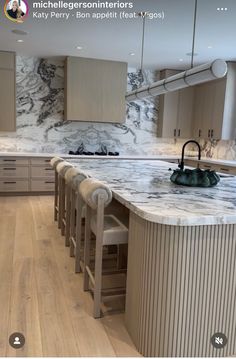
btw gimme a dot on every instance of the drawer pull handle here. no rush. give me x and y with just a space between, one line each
48 169
9 169
224 169
206 166
46 160
9 182
48 182
9 160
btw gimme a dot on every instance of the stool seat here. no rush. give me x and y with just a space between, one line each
114 232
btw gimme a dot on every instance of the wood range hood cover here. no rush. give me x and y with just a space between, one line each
95 90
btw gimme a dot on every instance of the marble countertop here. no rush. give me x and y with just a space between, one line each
126 157
66 156
145 188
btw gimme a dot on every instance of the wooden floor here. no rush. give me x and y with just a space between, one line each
41 296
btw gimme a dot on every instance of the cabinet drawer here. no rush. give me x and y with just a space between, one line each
14 171
11 185
42 171
45 185
206 166
13 161
191 163
40 161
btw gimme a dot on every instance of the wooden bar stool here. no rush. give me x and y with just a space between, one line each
72 179
108 231
78 206
61 169
54 162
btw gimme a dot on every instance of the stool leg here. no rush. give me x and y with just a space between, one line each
87 247
59 201
98 259
98 279
68 214
72 223
62 206
78 234
56 197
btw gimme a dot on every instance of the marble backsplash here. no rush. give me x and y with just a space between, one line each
41 128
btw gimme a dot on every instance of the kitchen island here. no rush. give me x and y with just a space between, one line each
181 277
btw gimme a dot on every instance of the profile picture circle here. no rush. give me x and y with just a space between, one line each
16 10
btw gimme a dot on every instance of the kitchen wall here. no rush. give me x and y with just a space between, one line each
40 125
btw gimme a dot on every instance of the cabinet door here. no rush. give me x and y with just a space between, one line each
198 110
203 110
7 100
208 108
185 113
218 108
169 114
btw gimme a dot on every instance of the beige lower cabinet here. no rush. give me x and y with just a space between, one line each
211 166
26 175
42 175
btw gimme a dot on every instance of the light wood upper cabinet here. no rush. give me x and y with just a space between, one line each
175 111
209 109
185 113
205 111
7 92
95 90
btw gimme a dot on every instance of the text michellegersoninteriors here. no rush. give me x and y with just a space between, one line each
82 5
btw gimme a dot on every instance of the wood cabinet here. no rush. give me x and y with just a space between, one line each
7 92
208 113
205 111
175 115
26 174
95 90
221 168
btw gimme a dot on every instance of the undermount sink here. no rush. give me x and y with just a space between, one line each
195 177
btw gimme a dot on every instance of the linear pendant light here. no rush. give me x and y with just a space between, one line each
197 75
194 76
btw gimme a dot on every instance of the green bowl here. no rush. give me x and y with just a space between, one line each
195 178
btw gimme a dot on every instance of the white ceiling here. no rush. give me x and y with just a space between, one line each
166 41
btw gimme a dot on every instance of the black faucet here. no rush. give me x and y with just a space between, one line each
181 165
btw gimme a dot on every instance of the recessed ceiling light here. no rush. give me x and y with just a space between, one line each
209 47
19 40
19 32
131 53
181 60
79 47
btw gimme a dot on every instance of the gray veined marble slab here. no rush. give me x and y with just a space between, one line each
145 188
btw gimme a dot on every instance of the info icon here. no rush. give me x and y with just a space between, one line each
17 340
219 340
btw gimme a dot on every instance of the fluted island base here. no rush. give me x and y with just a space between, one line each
181 288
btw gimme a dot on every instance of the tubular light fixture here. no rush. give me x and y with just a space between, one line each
194 76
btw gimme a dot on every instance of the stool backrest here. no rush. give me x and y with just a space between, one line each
55 161
77 180
70 174
97 196
62 167
91 190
